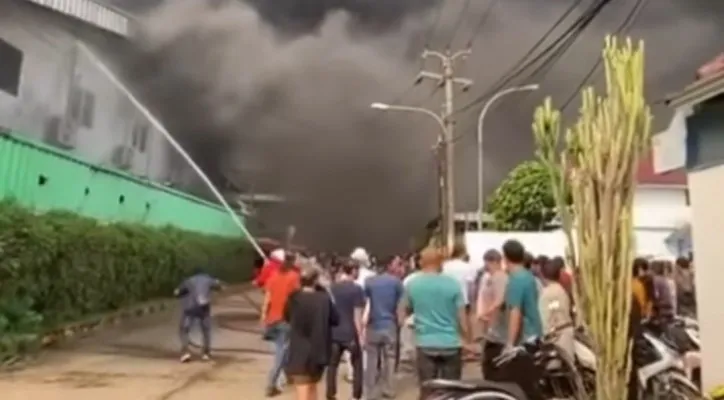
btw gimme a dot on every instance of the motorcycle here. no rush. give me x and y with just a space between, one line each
559 378
661 369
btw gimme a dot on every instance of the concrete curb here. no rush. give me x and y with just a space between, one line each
116 318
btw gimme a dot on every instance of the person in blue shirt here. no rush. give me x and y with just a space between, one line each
383 293
440 320
349 299
523 324
195 294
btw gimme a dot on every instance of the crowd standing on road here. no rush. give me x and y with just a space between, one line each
422 309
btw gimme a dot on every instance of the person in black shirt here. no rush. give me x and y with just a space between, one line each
311 315
349 299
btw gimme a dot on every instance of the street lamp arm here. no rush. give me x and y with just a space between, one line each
438 119
481 119
500 94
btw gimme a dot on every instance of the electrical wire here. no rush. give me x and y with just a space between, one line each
486 14
545 67
458 23
428 38
525 63
628 22
554 52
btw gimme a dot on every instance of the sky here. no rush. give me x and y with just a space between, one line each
274 94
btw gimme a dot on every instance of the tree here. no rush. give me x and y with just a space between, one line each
524 200
597 166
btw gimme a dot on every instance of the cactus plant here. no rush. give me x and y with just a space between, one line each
595 163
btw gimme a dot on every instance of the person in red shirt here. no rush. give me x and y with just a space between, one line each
277 289
270 266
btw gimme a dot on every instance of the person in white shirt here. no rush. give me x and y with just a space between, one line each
362 258
462 271
407 334
364 272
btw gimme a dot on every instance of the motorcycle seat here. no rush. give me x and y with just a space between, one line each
475 385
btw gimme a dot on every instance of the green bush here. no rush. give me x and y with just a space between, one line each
59 267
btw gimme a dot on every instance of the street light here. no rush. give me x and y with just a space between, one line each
392 107
445 194
481 118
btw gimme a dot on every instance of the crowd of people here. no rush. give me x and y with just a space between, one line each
431 310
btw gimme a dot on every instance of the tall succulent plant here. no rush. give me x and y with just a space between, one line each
594 163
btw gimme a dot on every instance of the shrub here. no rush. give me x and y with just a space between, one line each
59 267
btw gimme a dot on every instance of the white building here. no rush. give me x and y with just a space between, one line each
661 208
51 91
695 141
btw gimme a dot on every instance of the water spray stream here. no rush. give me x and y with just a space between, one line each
156 123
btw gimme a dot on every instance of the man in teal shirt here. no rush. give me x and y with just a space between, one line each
523 324
440 320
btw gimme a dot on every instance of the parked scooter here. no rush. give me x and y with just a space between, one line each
559 378
661 370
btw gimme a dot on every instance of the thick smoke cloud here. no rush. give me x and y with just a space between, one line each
274 94
291 115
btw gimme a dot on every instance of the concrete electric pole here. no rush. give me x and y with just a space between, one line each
446 157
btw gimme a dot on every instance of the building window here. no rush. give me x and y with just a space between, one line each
139 136
11 62
82 107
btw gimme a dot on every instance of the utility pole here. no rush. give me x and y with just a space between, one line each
446 159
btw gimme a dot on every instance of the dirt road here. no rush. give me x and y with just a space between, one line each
139 362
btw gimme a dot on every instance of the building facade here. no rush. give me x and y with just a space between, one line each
50 89
695 140
661 208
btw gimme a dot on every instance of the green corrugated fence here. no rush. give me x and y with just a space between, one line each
45 178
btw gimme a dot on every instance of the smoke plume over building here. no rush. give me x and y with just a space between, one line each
275 94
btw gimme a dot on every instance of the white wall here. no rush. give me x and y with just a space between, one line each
707 192
660 207
46 40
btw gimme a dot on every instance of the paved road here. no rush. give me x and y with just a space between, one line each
139 362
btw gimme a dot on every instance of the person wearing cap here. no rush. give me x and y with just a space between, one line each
278 288
271 265
362 258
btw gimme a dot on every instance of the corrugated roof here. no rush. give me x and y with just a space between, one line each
645 174
89 11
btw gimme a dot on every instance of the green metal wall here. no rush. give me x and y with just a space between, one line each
45 178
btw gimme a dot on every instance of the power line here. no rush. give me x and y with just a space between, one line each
628 22
458 23
481 22
558 53
554 52
522 64
426 44
433 27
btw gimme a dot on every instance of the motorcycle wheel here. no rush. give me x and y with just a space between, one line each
484 395
489 395
672 385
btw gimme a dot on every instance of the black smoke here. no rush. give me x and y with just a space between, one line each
275 94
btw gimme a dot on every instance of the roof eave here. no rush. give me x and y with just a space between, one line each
698 92
91 12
